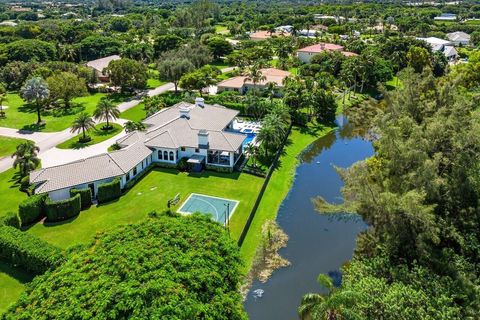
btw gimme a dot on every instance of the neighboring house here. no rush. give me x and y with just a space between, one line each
459 38
305 54
203 134
444 46
264 35
286 29
100 65
446 17
242 84
8 23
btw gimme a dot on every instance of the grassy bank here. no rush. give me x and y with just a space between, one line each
279 186
97 135
12 282
9 145
9 189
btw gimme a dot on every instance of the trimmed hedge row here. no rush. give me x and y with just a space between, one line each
27 251
31 209
11 219
85 196
218 169
63 209
109 191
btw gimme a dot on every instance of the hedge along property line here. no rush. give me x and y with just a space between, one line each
251 216
85 197
63 209
109 191
31 209
27 251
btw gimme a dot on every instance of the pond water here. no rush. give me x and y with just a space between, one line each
317 243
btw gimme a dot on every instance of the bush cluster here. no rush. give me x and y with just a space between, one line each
85 197
27 251
218 169
11 219
109 191
63 209
31 209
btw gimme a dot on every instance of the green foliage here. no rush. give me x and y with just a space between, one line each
219 47
128 74
325 106
188 268
31 209
30 50
11 219
97 46
85 197
27 251
418 58
120 24
165 43
66 86
109 191
63 209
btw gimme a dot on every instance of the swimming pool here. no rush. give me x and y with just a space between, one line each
250 137
214 206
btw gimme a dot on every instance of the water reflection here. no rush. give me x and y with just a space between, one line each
318 243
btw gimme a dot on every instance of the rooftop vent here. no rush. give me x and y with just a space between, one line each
203 139
200 102
185 112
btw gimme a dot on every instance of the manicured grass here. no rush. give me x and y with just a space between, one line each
152 193
134 114
97 135
9 190
221 29
153 83
9 145
12 284
220 64
278 187
21 115
394 83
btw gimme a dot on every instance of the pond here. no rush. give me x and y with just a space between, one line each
317 243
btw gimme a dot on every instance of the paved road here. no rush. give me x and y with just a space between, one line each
47 141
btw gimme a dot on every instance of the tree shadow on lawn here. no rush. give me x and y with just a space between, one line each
14 272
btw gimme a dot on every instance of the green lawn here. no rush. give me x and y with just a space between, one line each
221 29
134 114
278 187
152 193
9 189
12 282
20 115
9 145
220 64
98 135
153 83
394 83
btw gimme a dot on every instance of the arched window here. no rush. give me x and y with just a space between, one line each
171 155
165 155
160 155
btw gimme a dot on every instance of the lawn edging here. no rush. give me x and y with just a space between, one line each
278 188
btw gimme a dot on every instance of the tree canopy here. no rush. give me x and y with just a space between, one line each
181 268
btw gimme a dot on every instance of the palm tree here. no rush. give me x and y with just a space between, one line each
271 88
26 158
255 75
252 151
36 90
106 110
336 304
3 98
131 126
83 122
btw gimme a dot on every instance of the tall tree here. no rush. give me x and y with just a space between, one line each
82 123
36 90
66 86
128 74
26 157
172 69
106 110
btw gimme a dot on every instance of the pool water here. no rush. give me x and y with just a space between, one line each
250 137
214 206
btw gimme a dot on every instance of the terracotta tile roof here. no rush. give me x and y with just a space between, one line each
271 75
262 35
319 47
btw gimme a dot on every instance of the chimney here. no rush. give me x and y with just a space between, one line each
203 139
185 112
200 102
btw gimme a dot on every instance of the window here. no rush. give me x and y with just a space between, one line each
134 171
165 155
159 154
197 150
127 177
182 148
142 164
171 155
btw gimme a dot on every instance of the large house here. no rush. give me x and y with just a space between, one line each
201 134
444 46
459 38
100 65
305 54
264 35
242 83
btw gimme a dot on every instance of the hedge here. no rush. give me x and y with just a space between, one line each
218 168
63 209
31 209
11 219
109 191
27 251
85 196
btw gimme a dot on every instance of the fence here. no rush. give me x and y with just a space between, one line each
262 190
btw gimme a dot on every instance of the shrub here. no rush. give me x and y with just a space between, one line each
109 191
85 197
31 209
218 169
63 209
11 219
182 164
188 267
28 251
